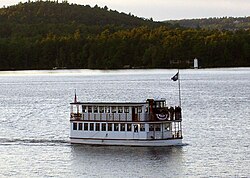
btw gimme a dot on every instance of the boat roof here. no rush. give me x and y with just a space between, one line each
111 103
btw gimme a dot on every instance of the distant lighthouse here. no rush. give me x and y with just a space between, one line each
196 66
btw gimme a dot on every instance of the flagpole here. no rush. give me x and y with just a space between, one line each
179 83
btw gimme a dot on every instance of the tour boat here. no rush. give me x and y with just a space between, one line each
149 123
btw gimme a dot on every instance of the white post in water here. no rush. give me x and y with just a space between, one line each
196 63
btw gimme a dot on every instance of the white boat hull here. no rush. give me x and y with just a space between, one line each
124 142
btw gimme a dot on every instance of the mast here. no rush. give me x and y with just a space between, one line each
179 83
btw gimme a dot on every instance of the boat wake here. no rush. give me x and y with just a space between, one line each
34 142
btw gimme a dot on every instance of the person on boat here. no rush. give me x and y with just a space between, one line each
136 128
171 110
177 112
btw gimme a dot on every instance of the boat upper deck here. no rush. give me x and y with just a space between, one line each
151 110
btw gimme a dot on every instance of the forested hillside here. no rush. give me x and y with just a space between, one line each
43 35
36 19
224 23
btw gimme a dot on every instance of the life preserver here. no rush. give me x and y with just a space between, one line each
162 116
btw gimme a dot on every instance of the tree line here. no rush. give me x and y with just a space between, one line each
141 47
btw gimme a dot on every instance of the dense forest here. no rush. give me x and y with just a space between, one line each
44 35
224 23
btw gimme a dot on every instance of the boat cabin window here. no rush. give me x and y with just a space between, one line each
116 127
159 104
113 109
86 126
126 109
109 127
122 127
89 109
101 108
80 126
151 127
95 109
129 127
120 109
74 126
97 127
103 126
84 109
91 126
167 126
157 127
142 127
139 109
107 109
162 104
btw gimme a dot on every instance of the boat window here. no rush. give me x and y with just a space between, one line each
103 126
107 109
129 127
84 108
157 104
89 109
162 104
139 109
126 109
157 127
122 127
95 109
167 127
151 127
97 127
116 127
142 127
136 128
113 109
91 126
86 126
101 108
80 126
120 110
109 127
74 126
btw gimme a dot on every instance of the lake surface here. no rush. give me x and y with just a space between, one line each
34 122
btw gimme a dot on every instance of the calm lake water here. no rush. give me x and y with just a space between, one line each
34 122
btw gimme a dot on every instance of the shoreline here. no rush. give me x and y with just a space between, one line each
112 71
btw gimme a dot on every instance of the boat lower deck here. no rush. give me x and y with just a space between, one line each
128 142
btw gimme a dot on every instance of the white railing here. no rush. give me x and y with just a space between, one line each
109 116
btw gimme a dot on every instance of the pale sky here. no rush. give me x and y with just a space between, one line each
161 10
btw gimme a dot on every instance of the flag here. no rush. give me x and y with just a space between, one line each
175 77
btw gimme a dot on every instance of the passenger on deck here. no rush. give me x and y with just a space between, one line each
177 112
135 128
171 110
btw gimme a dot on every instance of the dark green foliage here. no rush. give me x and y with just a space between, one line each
73 36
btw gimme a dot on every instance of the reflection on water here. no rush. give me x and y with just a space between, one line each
113 161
